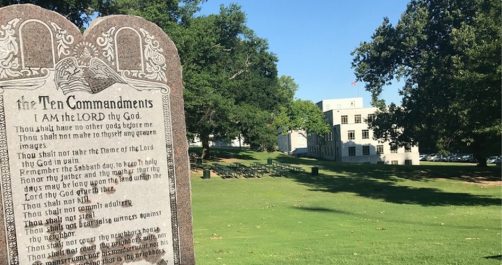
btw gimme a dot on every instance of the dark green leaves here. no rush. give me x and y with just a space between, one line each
448 53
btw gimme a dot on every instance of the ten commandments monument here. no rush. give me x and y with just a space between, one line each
93 152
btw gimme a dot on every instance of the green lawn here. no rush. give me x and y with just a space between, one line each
349 214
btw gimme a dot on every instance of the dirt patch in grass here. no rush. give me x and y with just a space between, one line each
481 181
198 173
488 183
230 160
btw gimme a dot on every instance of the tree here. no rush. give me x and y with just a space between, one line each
448 53
167 14
76 11
226 64
305 115
229 74
287 87
298 114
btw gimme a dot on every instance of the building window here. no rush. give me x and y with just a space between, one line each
394 162
393 148
407 148
371 118
366 134
351 135
345 119
408 162
380 149
366 150
352 151
357 118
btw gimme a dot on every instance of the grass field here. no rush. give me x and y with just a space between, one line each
349 214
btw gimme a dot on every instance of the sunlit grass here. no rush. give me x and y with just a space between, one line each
349 214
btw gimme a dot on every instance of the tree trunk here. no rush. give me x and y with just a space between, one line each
205 147
481 160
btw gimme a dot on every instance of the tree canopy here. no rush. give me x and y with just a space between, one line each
302 115
448 54
76 11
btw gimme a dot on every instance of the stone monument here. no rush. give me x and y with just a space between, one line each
93 150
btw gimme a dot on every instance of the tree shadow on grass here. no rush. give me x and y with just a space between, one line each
391 220
390 172
219 154
302 160
320 210
496 257
390 191
382 181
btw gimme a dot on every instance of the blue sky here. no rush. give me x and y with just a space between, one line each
313 40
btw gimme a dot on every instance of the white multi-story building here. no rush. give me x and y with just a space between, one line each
351 139
294 142
341 103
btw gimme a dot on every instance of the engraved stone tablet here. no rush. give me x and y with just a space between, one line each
93 152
